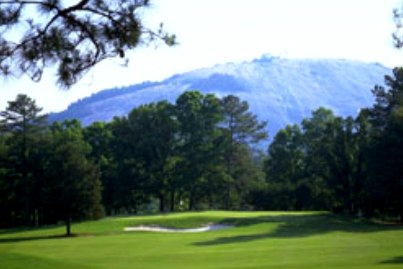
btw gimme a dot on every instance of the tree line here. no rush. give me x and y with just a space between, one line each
191 155
346 165
199 153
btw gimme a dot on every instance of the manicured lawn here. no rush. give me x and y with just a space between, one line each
258 240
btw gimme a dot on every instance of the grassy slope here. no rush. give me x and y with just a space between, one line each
260 240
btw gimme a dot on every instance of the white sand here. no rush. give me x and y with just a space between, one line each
206 228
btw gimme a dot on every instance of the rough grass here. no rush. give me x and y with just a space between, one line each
259 240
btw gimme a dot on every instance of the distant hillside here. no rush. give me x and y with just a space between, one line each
281 91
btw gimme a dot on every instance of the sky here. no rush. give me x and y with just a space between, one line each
212 32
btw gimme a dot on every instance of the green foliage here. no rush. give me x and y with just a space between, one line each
153 130
74 37
198 117
240 129
175 154
45 175
287 184
22 138
100 137
199 154
241 125
74 188
341 164
21 115
386 137
182 155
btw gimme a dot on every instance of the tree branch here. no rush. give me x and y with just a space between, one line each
76 37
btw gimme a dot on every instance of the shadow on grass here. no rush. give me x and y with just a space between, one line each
34 238
29 238
28 229
395 260
296 226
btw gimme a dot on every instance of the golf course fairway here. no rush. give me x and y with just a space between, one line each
255 240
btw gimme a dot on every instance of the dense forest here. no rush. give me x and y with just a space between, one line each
200 153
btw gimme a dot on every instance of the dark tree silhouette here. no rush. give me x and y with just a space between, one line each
75 37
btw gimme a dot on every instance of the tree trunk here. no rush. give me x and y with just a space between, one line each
191 201
172 202
210 201
68 226
162 203
228 202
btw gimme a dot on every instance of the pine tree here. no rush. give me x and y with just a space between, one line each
23 128
73 180
75 37
386 164
241 128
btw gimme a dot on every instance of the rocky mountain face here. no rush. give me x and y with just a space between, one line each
280 91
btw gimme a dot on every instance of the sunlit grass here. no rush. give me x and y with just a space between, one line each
258 240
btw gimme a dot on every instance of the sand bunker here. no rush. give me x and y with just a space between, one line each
206 228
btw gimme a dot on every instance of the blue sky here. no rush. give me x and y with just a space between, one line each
218 31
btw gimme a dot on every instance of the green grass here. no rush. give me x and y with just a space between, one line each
258 240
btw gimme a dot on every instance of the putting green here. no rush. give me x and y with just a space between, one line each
258 240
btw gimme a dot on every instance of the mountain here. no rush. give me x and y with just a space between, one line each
280 91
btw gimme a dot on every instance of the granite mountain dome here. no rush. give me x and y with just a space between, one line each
280 91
